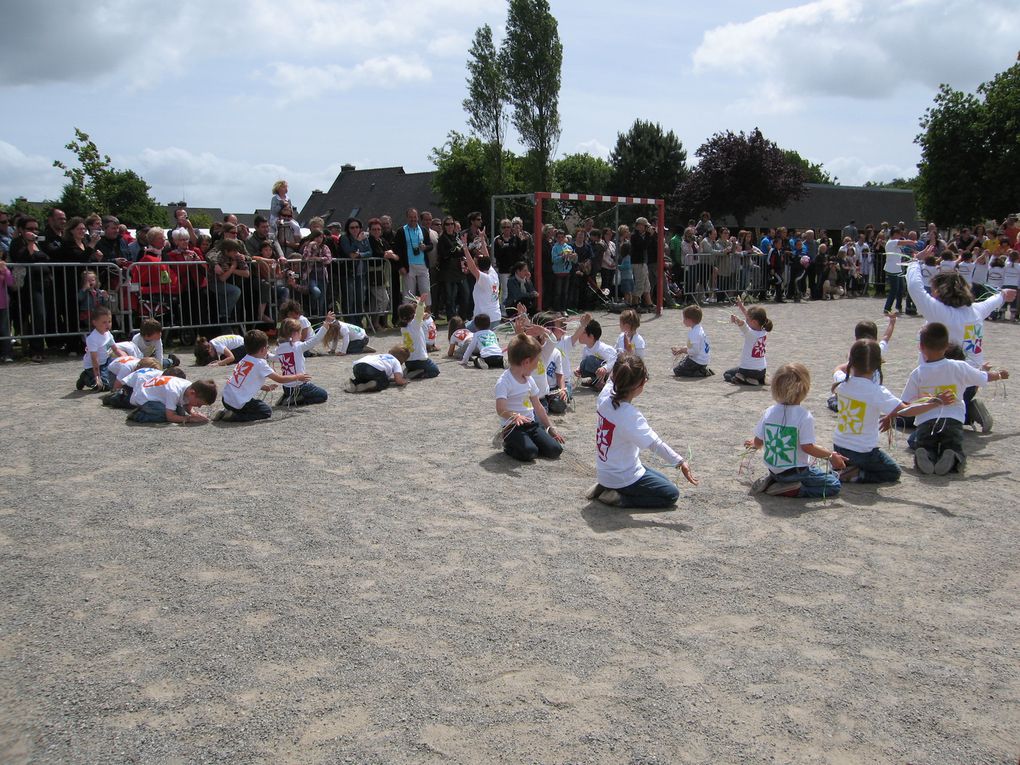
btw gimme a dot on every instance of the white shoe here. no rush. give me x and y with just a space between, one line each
761 484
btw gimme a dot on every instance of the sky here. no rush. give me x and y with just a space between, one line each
213 102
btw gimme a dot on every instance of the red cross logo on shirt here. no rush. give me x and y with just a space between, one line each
241 372
287 366
758 351
604 437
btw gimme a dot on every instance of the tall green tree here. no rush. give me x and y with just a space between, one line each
814 172
647 162
581 174
1000 179
737 174
461 177
94 185
953 150
487 104
533 60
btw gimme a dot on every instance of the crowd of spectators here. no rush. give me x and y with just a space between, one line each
230 275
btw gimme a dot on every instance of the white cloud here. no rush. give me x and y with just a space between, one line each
854 171
449 44
207 180
594 147
27 175
864 49
296 82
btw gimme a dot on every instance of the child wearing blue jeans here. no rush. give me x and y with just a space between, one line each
787 432
166 398
411 318
291 355
621 433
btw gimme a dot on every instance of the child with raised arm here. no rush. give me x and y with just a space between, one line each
597 358
756 326
484 345
149 342
518 405
621 433
458 336
939 435
99 349
629 340
864 408
787 431
550 384
412 332
291 355
167 398
248 378
218 352
695 355
376 371
865 330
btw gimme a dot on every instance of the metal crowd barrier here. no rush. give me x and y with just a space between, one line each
52 300
721 277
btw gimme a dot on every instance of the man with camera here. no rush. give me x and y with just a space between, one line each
412 245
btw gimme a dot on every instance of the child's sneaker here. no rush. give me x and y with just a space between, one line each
368 349
783 489
609 497
946 462
980 415
762 484
922 459
833 403
595 491
849 474
175 360
82 381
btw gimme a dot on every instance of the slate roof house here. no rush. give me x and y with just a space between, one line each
366 194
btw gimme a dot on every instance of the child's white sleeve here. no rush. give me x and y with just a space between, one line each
611 359
471 348
649 439
345 335
303 345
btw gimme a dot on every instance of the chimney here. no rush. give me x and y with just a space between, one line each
347 167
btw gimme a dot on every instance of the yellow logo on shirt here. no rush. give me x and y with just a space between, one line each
408 342
851 416
527 403
935 390
541 367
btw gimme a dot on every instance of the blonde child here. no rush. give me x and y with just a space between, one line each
518 405
291 355
756 326
484 345
218 352
120 368
865 407
248 378
629 340
350 337
696 356
90 296
787 431
99 349
376 371
459 337
621 433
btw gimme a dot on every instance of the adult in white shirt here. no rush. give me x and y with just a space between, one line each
895 249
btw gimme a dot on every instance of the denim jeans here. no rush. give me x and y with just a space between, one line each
457 300
150 411
813 481
590 365
525 442
254 409
431 370
652 489
896 285
363 373
226 298
356 346
316 300
306 393
876 466
5 330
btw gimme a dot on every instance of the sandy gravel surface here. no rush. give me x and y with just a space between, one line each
370 581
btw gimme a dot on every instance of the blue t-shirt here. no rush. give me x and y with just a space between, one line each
413 236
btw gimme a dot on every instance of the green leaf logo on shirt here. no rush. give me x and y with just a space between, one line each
780 446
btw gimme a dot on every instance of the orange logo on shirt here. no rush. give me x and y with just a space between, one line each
241 372
156 382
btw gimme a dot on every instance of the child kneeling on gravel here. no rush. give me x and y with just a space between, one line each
787 431
376 371
518 405
167 398
248 378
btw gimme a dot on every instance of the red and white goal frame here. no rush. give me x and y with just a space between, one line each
660 206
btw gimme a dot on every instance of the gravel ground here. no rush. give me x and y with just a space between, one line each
370 581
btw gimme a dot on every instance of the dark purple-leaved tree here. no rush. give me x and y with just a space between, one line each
737 174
